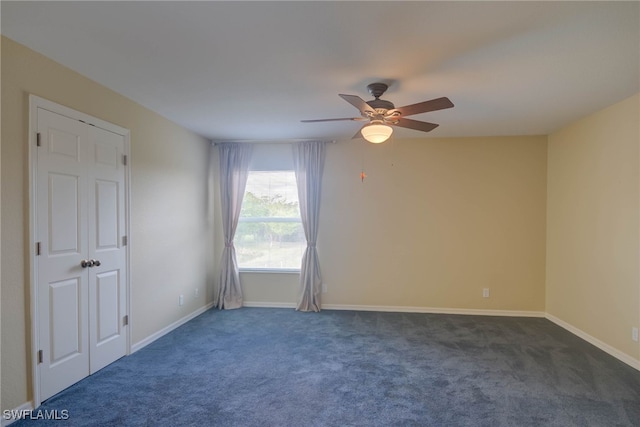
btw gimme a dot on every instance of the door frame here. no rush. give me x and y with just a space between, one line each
36 102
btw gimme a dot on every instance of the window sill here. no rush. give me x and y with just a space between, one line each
270 270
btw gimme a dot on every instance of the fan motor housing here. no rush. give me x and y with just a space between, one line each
378 104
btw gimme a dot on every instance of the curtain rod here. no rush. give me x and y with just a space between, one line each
271 141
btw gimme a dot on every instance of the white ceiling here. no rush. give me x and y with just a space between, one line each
253 70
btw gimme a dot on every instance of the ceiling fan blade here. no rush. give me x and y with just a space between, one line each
424 107
356 119
357 102
415 124
358 134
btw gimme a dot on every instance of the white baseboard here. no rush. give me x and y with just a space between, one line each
623 357
27 406
269 304
434 310
403 309
164 331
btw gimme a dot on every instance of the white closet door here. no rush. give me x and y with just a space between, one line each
107 286
81 269
62 282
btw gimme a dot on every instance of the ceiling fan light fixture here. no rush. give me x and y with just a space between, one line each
376 133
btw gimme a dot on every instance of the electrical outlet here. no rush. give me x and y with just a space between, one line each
196 293
634 334
324 288
485 293
181 300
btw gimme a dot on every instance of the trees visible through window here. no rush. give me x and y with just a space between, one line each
269 234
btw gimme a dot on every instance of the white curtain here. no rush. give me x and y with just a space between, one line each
234 167
308 162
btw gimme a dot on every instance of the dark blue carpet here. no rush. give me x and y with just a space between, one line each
279 367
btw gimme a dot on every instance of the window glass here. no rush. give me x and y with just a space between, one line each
269 234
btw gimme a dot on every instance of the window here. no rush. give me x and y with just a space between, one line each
269 234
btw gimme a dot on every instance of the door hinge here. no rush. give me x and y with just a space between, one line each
125 320
38 248
124 159
38 139
40 356
124 240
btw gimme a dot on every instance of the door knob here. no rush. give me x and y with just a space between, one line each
96 263
86 263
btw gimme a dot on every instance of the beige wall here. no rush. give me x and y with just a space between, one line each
592 225
170 249
434 222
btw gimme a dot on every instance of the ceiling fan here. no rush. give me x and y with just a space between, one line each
381 113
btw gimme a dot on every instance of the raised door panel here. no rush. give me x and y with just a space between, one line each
64 223
108 304
65 320
107 214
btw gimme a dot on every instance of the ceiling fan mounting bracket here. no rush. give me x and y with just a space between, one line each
377 89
